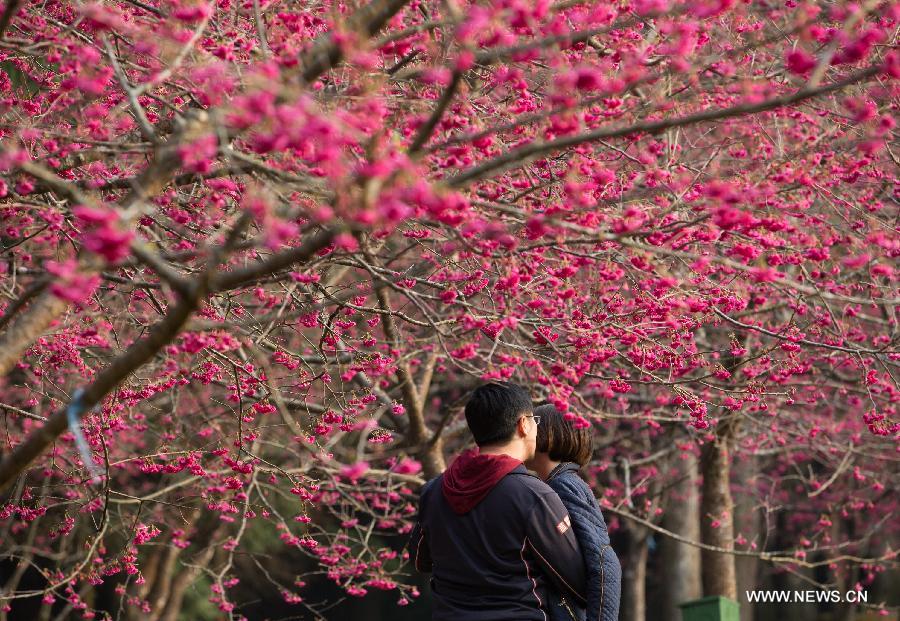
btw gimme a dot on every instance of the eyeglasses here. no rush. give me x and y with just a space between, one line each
536 417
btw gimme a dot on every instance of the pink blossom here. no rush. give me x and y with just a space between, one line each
280 232
408 466
464 61
729 218
100 17
70 284
92 216
305 278
619 385
437 75
354 471
198 155
588 79
855 262
891 65
144 533
193 11
477 18
651 7
799 61
103 234
110 243
345 241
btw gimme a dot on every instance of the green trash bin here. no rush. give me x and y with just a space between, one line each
713 608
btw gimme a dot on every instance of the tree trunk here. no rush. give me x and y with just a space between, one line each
748 523
842 530
716 519
634 574
717 507
172 609
681 561
167 594
433 459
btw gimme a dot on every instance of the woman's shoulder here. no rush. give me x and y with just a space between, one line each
579 499
567 477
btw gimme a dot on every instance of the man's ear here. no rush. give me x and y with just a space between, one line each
522 427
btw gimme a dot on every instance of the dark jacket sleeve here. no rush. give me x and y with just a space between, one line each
551 538
419 551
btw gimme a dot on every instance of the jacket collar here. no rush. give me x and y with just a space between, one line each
566 466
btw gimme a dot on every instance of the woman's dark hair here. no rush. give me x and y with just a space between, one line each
560 439
494 410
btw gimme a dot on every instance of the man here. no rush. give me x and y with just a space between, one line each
491 534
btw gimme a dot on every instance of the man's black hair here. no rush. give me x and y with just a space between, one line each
494 410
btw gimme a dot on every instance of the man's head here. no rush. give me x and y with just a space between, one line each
500 413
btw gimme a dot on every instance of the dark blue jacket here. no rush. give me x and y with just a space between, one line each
499 560
604 574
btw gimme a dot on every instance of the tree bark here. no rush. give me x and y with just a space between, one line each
24 330
747 523
719 574
845 611
169 596
634 575
717 507
680 560
414 397
432 459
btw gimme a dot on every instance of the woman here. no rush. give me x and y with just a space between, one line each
561 451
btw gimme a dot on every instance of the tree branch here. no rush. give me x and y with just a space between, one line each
524 154
366 21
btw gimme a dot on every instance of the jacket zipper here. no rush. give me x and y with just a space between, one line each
565 604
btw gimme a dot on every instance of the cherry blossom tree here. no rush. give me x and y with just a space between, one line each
256 254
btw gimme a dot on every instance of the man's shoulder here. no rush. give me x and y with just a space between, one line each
527 484
430 485
519 484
